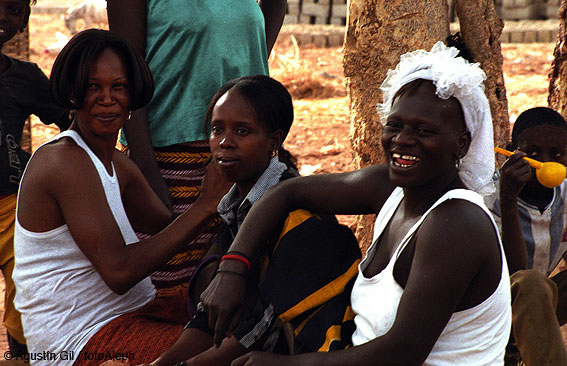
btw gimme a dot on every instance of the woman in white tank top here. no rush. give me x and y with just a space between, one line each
79 264
433 288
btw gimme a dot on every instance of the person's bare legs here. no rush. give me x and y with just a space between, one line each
534 323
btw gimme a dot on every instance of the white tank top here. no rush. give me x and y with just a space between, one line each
62 298
475 336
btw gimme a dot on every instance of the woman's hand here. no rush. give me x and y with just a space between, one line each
214 185
222 300
514 175
225 294
261 358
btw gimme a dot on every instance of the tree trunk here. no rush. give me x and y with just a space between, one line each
378 33
557 97
481 28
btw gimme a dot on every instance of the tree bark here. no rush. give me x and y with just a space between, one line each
481 29
378 33
557 97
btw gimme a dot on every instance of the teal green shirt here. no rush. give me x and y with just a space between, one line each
193 47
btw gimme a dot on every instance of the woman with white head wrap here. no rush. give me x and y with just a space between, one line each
453 77
433 288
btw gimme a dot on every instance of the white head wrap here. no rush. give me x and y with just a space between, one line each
452 76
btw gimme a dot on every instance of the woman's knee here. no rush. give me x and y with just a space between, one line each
530 284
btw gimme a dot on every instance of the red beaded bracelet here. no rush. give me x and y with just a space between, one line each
239 258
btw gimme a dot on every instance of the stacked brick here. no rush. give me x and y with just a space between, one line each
320 35
335 11
552 9
534 31
293 11
316 12
338 12
529 9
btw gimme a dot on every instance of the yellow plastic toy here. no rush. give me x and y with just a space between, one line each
548 174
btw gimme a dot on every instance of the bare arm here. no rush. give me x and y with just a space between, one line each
128 19
148 215
515 173
274 13
360 192
56 184
434 291
141 152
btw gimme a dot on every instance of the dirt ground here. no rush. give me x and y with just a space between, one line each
319 136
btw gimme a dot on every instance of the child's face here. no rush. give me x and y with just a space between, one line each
13 17
240 144
544 143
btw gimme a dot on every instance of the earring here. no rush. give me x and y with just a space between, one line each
458 163
274 153
129 115
72 110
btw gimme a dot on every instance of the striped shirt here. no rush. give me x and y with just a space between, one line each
544 232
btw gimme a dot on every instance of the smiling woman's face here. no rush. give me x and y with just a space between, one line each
107 97
422 137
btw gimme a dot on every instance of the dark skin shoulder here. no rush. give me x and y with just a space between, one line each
360 191
148 215
396 230
62 183
454 256
59 159
484 247
62 158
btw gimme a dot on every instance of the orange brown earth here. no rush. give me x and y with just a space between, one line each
314 76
